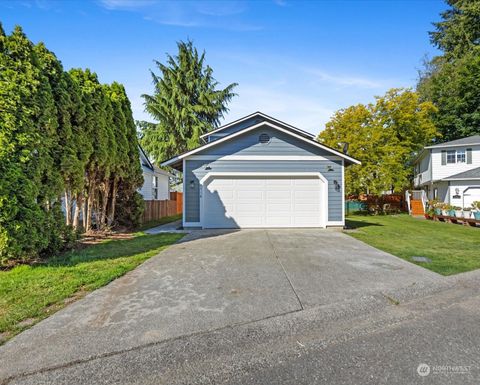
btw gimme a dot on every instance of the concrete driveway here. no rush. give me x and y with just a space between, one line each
209 281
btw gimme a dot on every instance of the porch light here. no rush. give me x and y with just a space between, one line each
192 184
337 185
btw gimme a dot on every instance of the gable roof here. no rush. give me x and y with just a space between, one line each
469 140
469 174
146 162
175 160
144 158
264 117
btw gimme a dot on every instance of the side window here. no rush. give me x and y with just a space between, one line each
461 156
451 156
435 193
155 187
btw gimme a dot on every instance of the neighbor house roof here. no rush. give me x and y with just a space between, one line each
176 162
146 162
466 175
469 140
262 116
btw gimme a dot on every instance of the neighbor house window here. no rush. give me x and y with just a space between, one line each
451 156
461 156
155 187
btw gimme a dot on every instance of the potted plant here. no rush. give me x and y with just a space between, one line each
458 212
444 206
448 210
476 210
467 212
432 208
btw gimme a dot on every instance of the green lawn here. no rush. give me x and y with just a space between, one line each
452 248
30 293
158 222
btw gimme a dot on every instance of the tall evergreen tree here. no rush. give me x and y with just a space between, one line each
452 80
185 104
28 183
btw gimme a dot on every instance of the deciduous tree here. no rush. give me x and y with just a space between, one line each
384 136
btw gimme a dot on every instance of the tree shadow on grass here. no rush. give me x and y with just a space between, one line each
113 249
353 224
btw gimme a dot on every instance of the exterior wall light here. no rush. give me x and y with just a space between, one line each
192 184
337 185
329 168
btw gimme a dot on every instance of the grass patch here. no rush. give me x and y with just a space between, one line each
158 222
452 248
31 293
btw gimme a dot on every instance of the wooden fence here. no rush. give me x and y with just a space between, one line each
155 210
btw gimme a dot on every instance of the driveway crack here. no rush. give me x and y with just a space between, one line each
275 254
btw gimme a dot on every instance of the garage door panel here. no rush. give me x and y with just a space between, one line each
263 202
249 194
279 194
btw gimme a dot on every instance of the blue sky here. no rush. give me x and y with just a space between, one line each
298 61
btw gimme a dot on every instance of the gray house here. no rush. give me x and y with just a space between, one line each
260 172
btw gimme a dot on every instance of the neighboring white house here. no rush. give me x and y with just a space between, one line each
450 172
155 180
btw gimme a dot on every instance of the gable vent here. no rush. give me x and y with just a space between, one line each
264 138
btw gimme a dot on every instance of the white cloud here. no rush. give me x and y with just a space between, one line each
126 4
343 80
187 14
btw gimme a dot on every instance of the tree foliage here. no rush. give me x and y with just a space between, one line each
65 139
384 136
185 104
459 31
452 80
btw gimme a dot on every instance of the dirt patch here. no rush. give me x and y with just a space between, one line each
99 237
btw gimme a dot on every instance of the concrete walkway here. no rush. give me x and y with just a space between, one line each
217 279
171 227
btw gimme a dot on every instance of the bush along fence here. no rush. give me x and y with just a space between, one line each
155 210
375 204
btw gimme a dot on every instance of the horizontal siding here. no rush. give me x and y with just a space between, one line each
443 171
195 171
280 144
146 189
237 127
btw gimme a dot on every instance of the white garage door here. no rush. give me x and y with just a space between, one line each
471 195
231 202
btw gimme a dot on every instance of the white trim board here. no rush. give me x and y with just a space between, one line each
263 157
440 146
248 129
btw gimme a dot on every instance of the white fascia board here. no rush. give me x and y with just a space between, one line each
447 179
234 135
439 146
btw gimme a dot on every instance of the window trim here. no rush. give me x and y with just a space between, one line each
154 187
451 153
454 156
